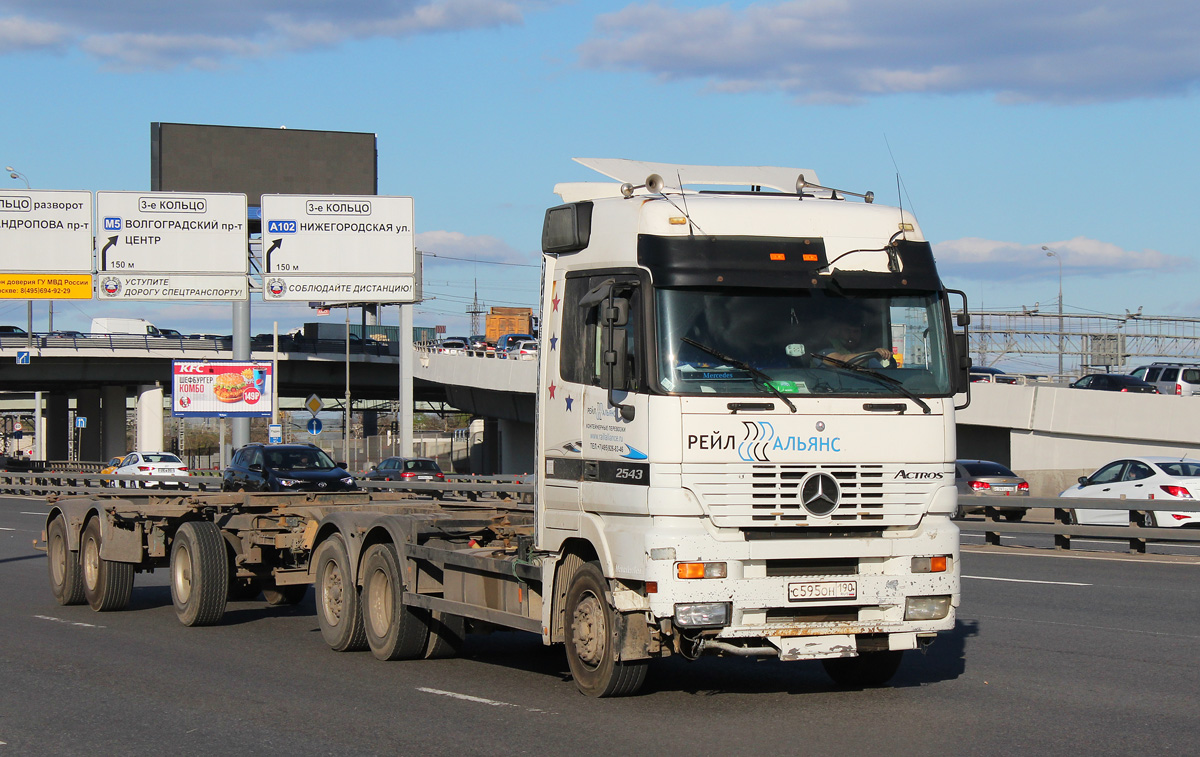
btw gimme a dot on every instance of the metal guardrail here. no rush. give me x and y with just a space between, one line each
1063 526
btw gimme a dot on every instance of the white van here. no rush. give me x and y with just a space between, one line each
137 326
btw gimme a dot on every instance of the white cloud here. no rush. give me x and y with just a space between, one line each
19 33
138 34
456 246
847 50
989 260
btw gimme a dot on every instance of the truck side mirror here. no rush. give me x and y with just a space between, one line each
614 314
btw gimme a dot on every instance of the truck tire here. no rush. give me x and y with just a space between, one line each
591 639
66 575
199 574
446 635
395 631
339 613
292 594
868 670
107 585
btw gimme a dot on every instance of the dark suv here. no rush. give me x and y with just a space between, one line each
285 468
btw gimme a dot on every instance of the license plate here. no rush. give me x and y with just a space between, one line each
810 590
424 478
1004 488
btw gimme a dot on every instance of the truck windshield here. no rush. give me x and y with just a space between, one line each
784 332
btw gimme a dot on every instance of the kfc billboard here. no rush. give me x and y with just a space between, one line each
230 388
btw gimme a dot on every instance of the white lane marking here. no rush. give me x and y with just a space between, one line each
1090 627
1026 581
2 528
28 513
477 700
68 622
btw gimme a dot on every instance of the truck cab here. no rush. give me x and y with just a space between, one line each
746 419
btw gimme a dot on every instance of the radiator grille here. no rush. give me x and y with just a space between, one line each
766 495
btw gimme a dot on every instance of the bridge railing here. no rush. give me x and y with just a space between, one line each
1064 525
192 343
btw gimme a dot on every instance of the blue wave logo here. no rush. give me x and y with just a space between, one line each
634 453
754 447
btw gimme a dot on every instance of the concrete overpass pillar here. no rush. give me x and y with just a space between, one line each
87 405
516 447
112 438
149 424
58 439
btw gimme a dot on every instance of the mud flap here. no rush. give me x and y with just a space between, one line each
632 634
814 647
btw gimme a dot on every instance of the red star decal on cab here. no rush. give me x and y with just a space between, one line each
552 388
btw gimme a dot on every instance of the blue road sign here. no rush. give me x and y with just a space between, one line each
80 421
275 433
22 357
314 426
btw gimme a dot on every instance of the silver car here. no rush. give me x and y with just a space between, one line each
986 478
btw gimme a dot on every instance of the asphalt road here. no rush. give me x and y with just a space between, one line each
1091 654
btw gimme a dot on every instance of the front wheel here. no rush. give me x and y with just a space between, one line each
591 639
1149 520
107 584
868 670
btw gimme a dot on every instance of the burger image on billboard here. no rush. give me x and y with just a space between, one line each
229 387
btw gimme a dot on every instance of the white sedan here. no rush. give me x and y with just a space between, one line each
152 464
1172 479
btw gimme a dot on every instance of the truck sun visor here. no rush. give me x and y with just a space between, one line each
732 260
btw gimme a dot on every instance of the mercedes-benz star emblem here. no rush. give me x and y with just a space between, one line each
820 493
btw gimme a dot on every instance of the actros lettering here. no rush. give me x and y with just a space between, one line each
917 475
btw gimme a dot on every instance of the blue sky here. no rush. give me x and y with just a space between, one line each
1012 124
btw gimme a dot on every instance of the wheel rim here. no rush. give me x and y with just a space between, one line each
588 630
91 562
380 603
331 593
181 574
58 559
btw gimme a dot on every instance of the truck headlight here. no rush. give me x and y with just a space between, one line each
926 608
701 570
702 614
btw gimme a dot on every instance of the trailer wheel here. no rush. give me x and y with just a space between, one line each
107 585
292 594
339 613
395 631
199 574
868 670
591 639
66 577
446 635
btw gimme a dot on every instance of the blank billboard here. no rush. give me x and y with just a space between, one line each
256 161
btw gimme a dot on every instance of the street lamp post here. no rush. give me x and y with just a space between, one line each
1053 254
15 174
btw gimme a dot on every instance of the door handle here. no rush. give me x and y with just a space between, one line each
591 470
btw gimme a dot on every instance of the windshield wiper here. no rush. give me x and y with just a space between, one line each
763 379
881 377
